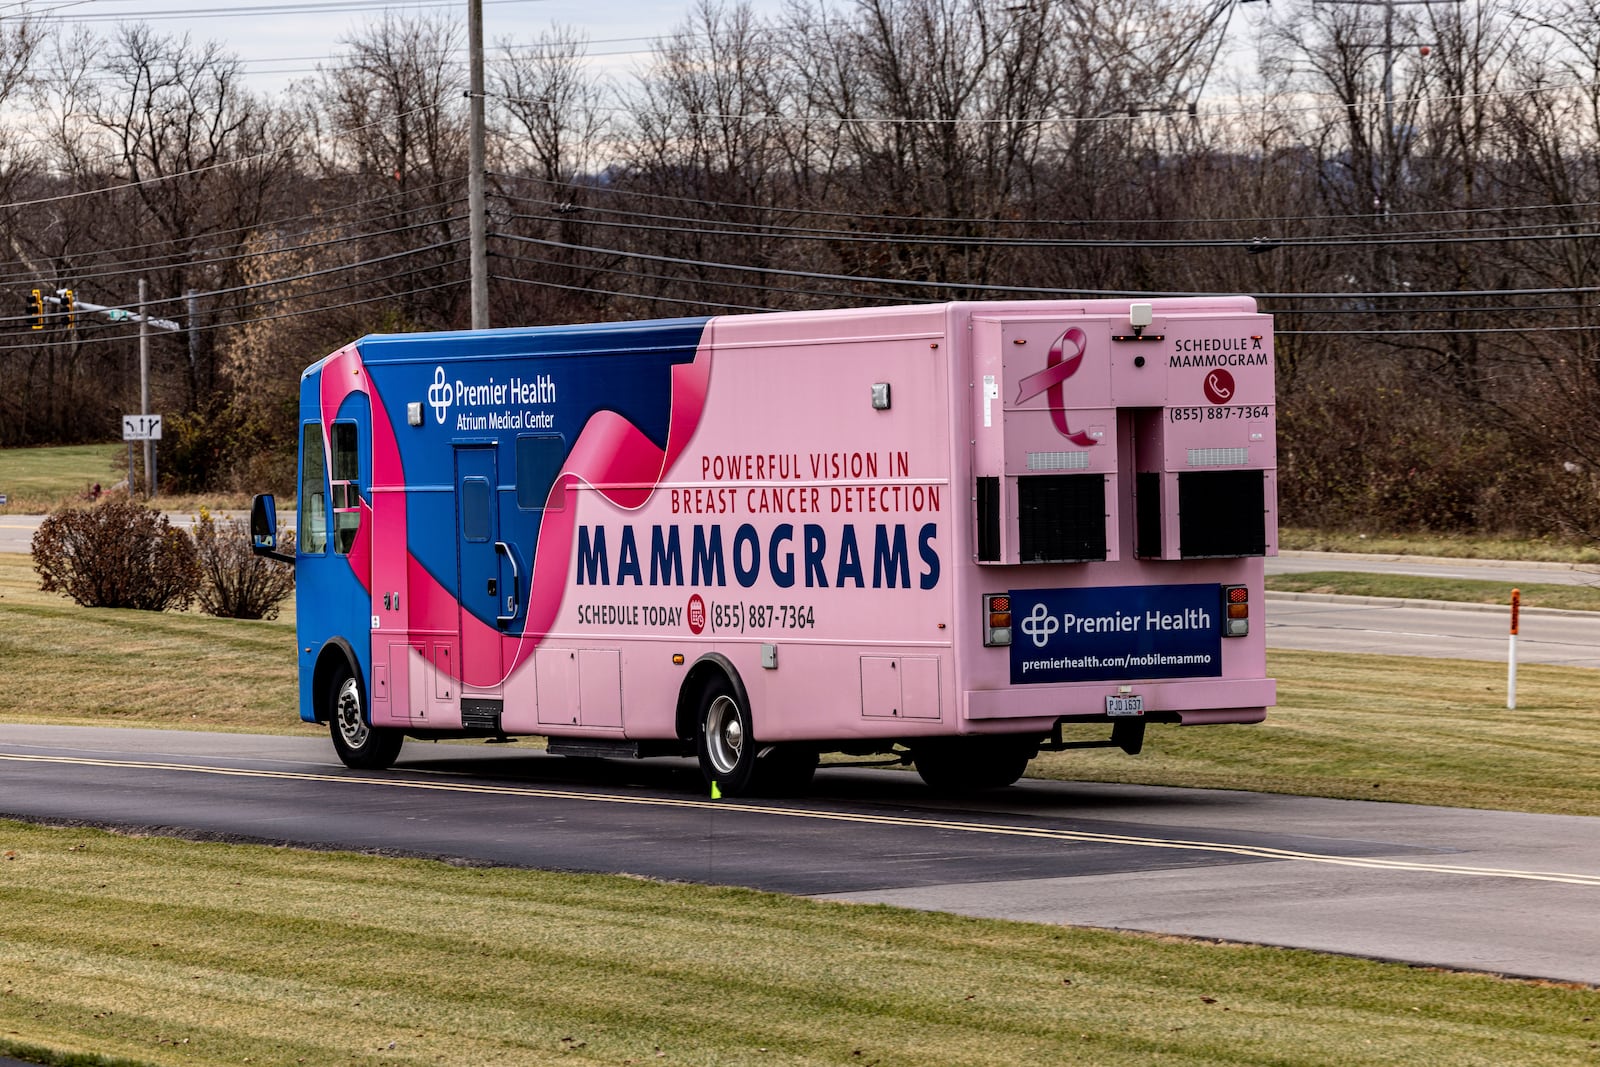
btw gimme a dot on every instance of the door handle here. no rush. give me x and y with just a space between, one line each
511 597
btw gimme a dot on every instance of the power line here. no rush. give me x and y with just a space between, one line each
1250 244
679 280
212 327
837 121
630 296
320 7
1255 221
104 271
1433 333
1046 290
283 280
163 178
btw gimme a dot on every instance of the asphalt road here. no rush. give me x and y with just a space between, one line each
1495 891
16 531
1356 624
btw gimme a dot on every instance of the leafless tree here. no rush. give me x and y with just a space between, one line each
199 154
386 124
556 132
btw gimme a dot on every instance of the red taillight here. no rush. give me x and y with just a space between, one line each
1235 610
997 619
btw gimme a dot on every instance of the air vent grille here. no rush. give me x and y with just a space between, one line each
1061 518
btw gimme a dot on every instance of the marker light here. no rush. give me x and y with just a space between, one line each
1235 611
996 620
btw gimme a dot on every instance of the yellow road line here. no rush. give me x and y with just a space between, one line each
860 818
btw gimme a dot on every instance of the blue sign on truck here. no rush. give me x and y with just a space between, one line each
1126 631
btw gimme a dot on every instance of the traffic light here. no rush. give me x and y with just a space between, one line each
37 303
66 306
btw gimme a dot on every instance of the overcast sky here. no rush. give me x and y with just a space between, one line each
282 40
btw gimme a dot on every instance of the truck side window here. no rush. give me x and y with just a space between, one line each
346 487
475 503
539 460
313 525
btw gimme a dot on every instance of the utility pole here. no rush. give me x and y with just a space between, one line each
478 232
192 298
144 390
1387 175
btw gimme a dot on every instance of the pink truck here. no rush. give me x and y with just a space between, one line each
937 533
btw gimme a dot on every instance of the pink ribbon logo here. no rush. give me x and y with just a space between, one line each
1057 369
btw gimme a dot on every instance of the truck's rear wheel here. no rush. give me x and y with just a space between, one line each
963 764
785 770
359 744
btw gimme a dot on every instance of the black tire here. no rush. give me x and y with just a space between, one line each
785 770
360 745
966 764
723 739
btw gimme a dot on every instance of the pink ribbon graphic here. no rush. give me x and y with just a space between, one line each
1057 369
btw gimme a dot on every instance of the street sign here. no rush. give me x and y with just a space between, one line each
141 427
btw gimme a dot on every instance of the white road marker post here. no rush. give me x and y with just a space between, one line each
1511 656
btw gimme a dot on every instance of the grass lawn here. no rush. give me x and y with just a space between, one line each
1457 545
36 480
109 667
155 951
151 951
1399 728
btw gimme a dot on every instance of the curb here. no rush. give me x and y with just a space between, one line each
1444 561
1405 602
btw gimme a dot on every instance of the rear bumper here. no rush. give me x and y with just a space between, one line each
1192 702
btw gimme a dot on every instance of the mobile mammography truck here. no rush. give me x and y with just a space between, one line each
937 532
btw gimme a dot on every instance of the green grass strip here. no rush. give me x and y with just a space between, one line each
1460 546
37 480
1460 590
167 952
1400 728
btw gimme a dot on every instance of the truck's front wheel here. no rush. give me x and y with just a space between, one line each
360 745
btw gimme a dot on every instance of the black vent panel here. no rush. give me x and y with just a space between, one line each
1222 513
1147 530
989 520
1061 518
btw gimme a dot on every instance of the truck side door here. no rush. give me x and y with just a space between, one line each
482 589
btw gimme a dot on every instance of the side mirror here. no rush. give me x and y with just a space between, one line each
264 522
264 528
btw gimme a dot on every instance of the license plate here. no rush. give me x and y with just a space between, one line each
1124 705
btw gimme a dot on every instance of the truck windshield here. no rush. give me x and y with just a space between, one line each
313 526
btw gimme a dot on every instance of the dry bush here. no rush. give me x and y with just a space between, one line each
1379 454
117 554
235 583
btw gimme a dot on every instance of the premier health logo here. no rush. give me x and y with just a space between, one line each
1039 625
439 395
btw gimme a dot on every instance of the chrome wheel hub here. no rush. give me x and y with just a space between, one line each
347 714
724 734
